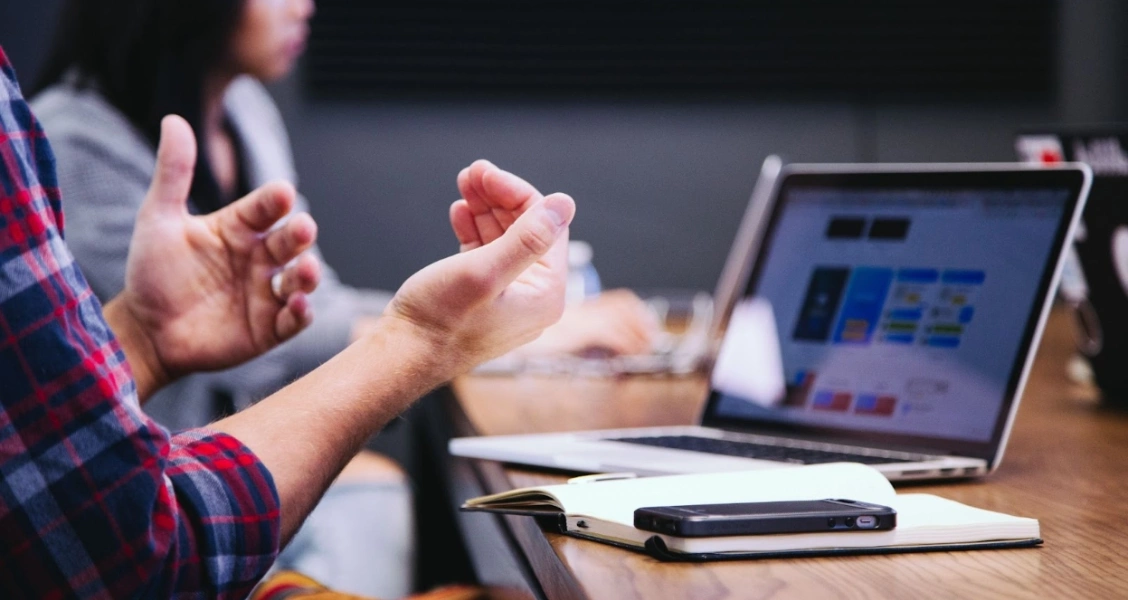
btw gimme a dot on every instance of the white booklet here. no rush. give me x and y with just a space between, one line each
604 511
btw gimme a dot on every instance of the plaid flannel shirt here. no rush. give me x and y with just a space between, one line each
96 499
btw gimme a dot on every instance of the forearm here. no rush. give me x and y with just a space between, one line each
140 353
308 431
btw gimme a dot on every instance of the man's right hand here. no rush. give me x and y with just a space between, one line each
505 286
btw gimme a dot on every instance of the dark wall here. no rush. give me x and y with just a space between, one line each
660 185
25 28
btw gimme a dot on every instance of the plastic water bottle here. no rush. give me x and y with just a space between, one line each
583 279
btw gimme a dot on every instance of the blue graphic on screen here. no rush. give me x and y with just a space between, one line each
964 277
952 307
862 308
820 303
917 275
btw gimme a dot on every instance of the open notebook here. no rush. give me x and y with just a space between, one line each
604 511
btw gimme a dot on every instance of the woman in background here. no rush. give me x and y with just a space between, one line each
116 68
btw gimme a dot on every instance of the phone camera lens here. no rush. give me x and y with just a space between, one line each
831 522
849 521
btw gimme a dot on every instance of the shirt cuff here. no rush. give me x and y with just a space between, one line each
235 532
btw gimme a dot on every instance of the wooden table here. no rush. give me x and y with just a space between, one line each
1066 465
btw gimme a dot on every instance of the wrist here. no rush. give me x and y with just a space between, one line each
427 355
141 352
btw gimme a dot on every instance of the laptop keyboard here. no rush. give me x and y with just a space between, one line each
806 456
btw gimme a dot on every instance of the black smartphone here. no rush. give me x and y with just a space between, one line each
757 518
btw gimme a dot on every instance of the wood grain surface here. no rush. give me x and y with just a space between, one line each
1066 465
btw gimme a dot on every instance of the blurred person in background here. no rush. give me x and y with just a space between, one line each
115 69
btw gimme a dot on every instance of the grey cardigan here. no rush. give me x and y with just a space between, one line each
104 167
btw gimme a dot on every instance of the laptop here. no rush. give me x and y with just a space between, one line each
890 317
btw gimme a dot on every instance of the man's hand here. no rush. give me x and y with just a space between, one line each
617 321
505 286
198 289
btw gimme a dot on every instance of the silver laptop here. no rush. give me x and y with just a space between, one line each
890 316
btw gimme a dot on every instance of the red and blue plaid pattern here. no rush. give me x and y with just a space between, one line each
96 499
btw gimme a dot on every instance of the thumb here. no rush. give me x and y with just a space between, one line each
530 238
176 163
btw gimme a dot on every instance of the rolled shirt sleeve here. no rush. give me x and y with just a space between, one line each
96 499
229 514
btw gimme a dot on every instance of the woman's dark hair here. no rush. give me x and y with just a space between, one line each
149 58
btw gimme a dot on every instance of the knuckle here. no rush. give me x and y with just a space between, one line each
263 208
178 165
537 239
285 246
174 168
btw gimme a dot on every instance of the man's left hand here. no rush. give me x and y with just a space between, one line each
198 289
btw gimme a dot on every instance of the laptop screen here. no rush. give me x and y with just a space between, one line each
893 310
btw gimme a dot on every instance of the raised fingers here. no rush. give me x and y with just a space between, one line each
494 197
469 185
295 316
540 235
507 192
294 237
259 210
300 277
176 160
465 230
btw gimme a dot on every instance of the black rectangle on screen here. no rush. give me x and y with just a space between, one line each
845 228
889 229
